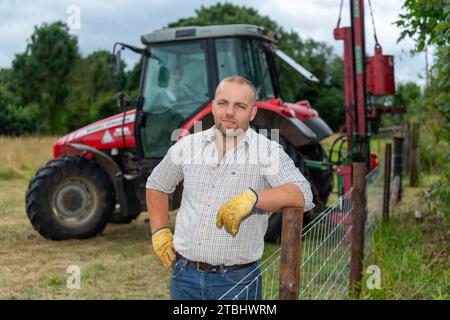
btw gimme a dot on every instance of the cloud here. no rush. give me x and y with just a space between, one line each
105 22
317 19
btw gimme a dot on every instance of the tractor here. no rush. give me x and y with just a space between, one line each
98 172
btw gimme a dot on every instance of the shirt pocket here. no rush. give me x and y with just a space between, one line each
244 176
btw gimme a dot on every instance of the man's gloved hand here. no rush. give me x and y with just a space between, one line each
235 210
162 241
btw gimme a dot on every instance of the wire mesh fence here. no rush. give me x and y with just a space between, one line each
264 279
326 251
374 191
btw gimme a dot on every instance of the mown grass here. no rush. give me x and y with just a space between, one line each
119 263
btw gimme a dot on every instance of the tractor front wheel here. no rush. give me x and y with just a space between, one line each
70 197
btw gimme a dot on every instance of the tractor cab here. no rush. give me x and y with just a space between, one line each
182 70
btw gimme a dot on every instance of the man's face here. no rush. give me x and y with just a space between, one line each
233 107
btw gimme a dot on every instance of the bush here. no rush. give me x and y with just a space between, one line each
440 191
16 121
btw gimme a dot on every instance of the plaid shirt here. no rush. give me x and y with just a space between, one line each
255 162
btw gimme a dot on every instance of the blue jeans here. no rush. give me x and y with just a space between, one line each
187 283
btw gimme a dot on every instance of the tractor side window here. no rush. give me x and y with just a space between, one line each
176 86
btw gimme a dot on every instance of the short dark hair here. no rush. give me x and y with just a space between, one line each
240 80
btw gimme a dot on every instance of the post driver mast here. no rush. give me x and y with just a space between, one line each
359 84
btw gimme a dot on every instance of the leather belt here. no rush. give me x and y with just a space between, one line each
205 267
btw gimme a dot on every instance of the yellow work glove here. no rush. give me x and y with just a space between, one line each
162 241
235 210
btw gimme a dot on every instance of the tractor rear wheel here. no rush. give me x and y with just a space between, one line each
273 233
70 197
321 186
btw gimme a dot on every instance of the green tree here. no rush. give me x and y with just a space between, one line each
226 14
102 73
40 74
427 22
407 93
93 87
133 77
16 120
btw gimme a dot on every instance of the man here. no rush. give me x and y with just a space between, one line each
232 176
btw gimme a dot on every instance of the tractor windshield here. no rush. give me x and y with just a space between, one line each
176 85
245 57
176 78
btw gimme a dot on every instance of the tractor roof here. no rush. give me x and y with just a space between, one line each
195 32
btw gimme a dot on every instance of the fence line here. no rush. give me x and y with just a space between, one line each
375 190
325 247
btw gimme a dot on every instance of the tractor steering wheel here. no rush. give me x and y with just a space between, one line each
188 90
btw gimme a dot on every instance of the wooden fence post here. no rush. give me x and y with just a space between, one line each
415 162
398 164
291 237
406 152
359 216
387 181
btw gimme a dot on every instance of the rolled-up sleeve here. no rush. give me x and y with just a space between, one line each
168 173
283 170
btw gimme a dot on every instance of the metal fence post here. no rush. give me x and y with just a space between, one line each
387 181
359 216
291 237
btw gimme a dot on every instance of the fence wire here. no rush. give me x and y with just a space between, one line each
374 208
326 251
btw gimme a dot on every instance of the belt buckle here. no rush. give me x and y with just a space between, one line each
210 269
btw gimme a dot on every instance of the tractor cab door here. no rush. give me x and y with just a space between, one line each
175 86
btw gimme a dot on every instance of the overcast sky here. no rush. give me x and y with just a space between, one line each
103 22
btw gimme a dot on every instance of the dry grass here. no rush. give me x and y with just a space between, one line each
22 156
117 264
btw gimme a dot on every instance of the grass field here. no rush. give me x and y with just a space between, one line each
117 264
413 256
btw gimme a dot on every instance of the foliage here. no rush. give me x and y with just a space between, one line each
52 89
427 22
440 191
40 74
